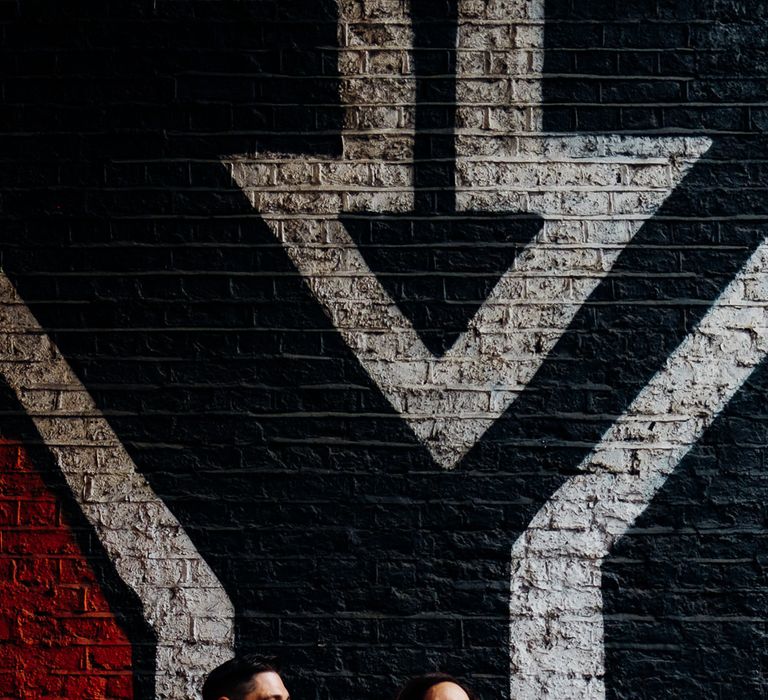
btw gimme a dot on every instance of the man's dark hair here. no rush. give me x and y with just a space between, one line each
416 688
234 678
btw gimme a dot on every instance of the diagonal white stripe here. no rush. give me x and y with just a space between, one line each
556 600
181 598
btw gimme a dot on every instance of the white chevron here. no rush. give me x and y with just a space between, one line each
594 193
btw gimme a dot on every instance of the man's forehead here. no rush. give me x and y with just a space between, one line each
446 691
267 685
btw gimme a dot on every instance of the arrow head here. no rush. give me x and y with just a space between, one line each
440 269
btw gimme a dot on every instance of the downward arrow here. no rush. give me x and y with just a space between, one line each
438 265
592 192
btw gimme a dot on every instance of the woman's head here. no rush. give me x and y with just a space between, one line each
435 686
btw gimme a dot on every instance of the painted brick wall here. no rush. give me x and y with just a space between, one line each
184 189
60 638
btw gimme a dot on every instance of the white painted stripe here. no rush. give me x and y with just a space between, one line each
501 45
377 84
181 598
556 603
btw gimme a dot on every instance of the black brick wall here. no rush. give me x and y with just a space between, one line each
345 549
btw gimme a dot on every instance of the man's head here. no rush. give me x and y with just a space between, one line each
447 690
434 686
244 678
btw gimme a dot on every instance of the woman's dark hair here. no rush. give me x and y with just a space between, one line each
234 678
416 688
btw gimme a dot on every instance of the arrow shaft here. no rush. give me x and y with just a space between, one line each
376 86
490 84
499 68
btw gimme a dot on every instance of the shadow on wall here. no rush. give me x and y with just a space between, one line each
343 547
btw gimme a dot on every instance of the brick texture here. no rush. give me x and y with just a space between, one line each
344 545
60 638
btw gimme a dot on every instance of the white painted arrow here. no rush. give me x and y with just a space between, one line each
594 193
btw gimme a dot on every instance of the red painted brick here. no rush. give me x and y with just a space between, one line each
74 570
47 541
39 512
60 639
107 658
66 659
9 513
10 458
37 571
119 686
86 687
70 599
